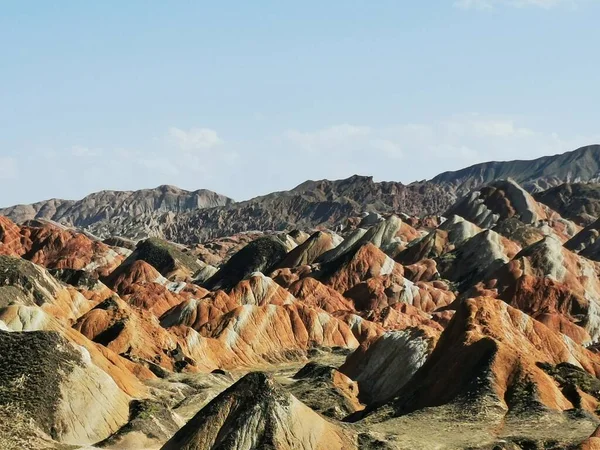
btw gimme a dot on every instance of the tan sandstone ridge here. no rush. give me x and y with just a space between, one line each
256 413
56 385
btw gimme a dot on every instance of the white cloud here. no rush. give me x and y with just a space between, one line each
82 151
408 152
194 138
490 4
476 125
326 138
9 169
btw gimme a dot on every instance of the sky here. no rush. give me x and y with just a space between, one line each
246 98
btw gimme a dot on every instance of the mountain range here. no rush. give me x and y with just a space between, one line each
341 323
192 217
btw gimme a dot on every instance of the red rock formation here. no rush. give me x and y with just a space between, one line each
400 316
251 336
489 358
552 284
367 262
314 293
269 334
139 272
257 290
286 277
591 443
424 270
380 292
58 248
407 233
11 240
362 328
136 334
141 285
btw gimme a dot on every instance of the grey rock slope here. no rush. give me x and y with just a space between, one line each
581 165
579 202
312 204
110 209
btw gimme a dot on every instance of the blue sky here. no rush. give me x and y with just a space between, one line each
250 97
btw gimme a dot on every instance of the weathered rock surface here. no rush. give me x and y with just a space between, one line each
326 390
382 366
553 285
256 414
52 383
487 362
169 259
579 202
311 249
105 212
258 256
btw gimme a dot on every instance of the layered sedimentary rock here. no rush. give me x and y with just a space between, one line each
485 324
579 202
311 249
136 334
169 259
383 365
57 247
258 256
491 205
269 334
255 414
490 359
553 285
55 387
22 282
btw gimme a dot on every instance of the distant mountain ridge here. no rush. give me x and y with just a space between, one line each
312 204
581 165
191 217
108 205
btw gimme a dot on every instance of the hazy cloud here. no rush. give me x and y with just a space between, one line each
327 138
80 150
407 152
194 138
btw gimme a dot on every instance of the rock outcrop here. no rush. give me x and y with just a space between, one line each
256 414
488 361
382 366
553 285
55 387
258 256
105 213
